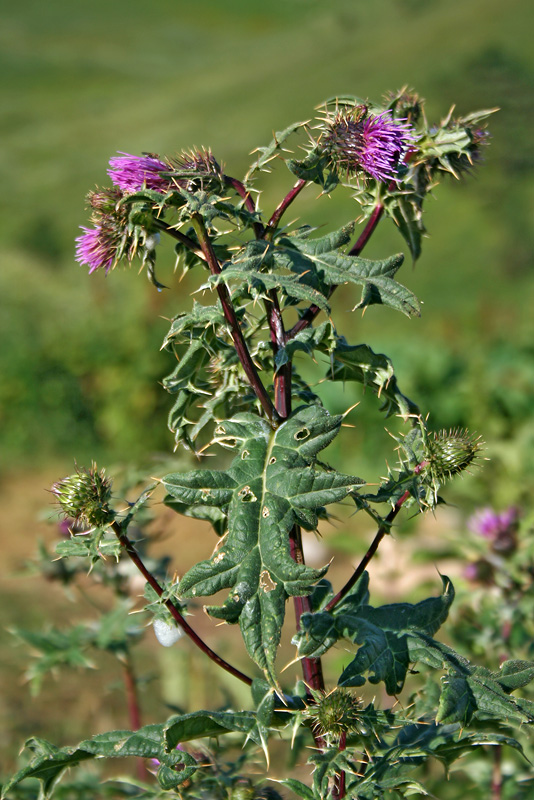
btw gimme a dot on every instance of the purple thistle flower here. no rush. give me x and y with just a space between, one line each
98 247
132 173
489 524
499 529
356 140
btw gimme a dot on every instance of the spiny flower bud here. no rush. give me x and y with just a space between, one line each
449 453
335 713
85 497
198 162
405 104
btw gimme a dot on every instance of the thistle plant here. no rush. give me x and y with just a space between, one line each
268 285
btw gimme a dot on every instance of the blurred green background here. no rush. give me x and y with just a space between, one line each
79 358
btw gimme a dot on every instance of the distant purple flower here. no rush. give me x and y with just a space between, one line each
356 140
488 523
132 173
98 247
480 570
499 529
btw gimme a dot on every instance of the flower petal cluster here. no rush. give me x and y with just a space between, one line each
133 173
356 140
98 247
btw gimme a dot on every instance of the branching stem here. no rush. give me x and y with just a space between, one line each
174 611
360 569
235 329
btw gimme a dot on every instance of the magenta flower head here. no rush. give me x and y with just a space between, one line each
132 173
99 247
356 140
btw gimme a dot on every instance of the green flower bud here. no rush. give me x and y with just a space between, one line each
335 713
449 453
85 497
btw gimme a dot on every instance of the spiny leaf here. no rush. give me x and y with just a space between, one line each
468 690
49 762
359 363
382 634
267 153
271 485
335 268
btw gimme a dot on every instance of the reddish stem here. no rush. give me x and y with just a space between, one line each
496 776
235 329
284 205
360 569
174 611
312 311
340 789
134 711
241 189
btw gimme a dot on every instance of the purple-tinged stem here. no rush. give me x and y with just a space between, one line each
340 789
174 611
180 237
243 192
496 775
360 569
312 311
284 205
235 329
134 711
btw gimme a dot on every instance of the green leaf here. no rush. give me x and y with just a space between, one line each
335 268
202 724
200 317
298 788
259 283
314 168
266 154
271 485
319 245
49 762
468 690
382 633
406 211
361 364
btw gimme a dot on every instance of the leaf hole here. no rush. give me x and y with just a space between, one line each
245 454
247 495
272 460
265 512
302 434
266 582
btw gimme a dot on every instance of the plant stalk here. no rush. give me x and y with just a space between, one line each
360 569
283 206
235 329
174 611
134 710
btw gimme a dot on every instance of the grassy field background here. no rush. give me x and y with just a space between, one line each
80 360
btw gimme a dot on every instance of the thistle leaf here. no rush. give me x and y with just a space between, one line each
271 486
